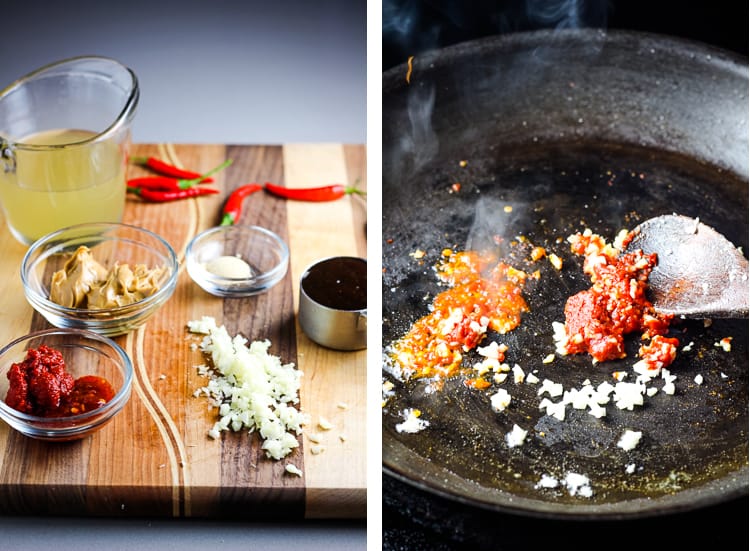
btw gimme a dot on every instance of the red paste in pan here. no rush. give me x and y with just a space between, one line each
597 319
484 293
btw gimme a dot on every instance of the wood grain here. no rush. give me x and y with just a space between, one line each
155 458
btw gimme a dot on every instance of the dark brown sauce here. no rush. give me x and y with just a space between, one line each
339 283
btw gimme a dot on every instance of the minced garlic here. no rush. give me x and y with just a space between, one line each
629 439
516 436
500 400
293 469
325 424
556 261
412 422
725 344
251 388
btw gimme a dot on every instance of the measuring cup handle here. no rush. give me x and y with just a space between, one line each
8 157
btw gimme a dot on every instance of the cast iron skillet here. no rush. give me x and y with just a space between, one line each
573 130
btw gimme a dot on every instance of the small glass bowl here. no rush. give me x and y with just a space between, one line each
85 353
109 244
263 251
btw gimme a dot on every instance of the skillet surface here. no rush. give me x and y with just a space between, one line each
525 148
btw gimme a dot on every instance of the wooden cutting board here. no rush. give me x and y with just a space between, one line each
155 458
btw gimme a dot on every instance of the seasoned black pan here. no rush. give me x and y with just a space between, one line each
569 130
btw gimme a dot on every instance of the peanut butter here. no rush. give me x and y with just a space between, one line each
85 283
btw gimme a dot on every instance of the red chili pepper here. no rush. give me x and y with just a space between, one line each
167 183
233 207
167 169
323 193
161 196
159 182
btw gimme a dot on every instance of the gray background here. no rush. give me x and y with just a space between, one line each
222 71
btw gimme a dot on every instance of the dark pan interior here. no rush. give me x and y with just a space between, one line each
573 131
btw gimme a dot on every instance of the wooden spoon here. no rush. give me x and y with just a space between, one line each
699 274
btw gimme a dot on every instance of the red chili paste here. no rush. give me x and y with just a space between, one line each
40 385
484 293
597 319
658 353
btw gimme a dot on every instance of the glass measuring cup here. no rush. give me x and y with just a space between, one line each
64 141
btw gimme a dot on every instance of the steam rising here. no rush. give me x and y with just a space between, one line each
561 14
415 26
566 14
496 223
423 139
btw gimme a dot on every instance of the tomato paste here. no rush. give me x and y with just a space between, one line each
598 319
41 386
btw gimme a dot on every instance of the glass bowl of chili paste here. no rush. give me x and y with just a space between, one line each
106 278
63 384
